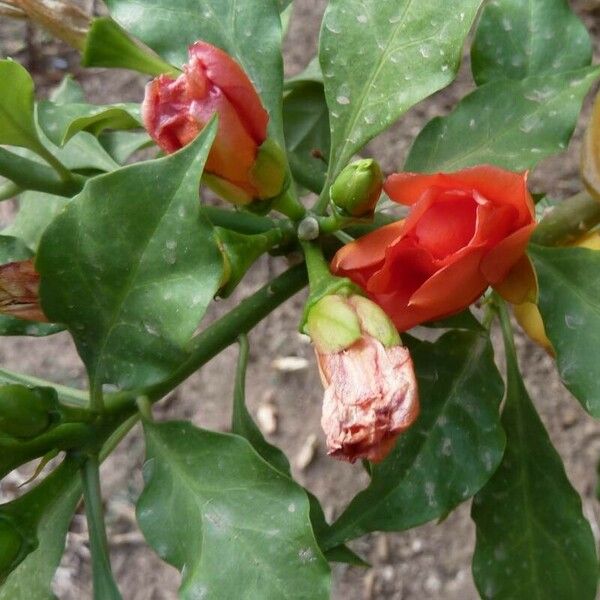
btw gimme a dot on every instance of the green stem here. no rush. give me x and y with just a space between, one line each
289 205
512 373
219 336
568 220
105 587
70 395
242 222
9 190
316 265
62 171
31 175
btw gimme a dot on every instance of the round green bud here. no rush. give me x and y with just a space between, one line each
358 187
24 412
11 544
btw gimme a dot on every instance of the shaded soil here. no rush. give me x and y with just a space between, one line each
430 562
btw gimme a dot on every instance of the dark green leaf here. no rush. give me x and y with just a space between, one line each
235 526
511 124
311 74
109 45
131 265
13 249
381 58
36 212
306 127
45 513
532 538
122 144
451 450
61 122
527 38
463 320
17 124
250 31
570 305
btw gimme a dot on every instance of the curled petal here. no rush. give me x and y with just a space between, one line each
370 398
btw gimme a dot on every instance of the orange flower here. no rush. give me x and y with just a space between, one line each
240 165
19 284
464 232
371 392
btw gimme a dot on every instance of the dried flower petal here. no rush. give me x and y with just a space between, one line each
19 285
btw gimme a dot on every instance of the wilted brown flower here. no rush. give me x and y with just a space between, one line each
19 285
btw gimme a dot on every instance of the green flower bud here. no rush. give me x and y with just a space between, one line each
24 412
336 322
358 187
11 547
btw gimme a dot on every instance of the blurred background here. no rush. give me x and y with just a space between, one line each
283 388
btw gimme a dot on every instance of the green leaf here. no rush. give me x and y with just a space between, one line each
449 452
381 58
532 538
306 127
511 124
13 249
17 124
463 320
242 423
231 523
131 265
569 301
45 512
61 122
68 91
122 144
36 212
517 39
109 45
250 31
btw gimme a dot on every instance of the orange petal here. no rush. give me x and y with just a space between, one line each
500 259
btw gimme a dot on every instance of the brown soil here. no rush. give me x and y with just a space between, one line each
431 562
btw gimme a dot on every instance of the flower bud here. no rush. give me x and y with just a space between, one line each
370 387
242 165
19 285
24 412
358 187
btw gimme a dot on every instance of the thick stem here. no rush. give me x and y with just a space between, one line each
242 222
568 221
512 374
31 175
105 587
219 336
316 265
289 205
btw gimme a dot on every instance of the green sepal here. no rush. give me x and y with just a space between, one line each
108 45
240 251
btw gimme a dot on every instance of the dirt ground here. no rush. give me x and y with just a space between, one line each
428 563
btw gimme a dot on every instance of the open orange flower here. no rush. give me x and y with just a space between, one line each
240 165
464 232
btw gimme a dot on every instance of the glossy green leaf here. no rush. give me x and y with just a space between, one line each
569 300
17 124
131 265
45 512
532 538
517 39
250 31
12 249
36 212
231 523
511 124
122 144
380 58
109 45
306 127
243 425
449 452
61 122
